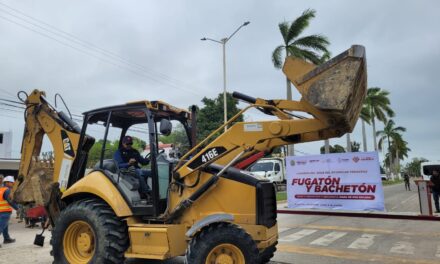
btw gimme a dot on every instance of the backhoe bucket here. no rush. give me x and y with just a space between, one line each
336 87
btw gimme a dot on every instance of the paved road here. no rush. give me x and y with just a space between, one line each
310 239
323 239
397 199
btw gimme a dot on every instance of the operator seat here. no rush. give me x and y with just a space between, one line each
107 164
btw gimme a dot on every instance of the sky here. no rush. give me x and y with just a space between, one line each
100 53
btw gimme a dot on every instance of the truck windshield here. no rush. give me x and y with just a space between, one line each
427 170
263 166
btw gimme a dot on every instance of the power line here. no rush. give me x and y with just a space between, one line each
82 42
97 57
111 57
8 93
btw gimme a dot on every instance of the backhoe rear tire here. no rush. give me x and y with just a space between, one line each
222 243
88 231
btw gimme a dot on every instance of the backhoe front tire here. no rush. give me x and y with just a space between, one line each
222 243
88 231
267 254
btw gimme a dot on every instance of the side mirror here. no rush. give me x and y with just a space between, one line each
165 127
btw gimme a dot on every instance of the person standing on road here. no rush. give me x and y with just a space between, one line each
435 187
407 184
6 206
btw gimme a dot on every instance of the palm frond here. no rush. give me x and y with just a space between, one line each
316 42
284 29
298 26
310 56
277 57
325 57
365 114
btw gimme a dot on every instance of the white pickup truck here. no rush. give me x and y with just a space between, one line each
272 169
427 167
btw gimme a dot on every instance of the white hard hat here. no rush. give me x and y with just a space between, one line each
9 179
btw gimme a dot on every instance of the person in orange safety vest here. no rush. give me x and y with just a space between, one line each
6 206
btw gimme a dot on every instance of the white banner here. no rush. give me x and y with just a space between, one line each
343 181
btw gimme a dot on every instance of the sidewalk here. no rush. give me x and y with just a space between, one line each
23 251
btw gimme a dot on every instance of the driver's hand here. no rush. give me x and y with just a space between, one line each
132 161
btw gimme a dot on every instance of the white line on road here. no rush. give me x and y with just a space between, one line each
328 239
364 242
282 229
438 251
298 235
412 197
403 247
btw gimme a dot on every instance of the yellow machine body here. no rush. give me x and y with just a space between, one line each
332 97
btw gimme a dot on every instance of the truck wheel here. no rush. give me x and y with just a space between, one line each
88 231
267 254
222 243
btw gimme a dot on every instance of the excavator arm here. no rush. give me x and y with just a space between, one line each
332 96
41 180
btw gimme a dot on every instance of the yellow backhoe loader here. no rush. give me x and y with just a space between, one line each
200 207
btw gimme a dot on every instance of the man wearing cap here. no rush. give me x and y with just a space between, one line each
6 206
435 187
127 156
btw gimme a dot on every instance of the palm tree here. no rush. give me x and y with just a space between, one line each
365 117
378 103
390 132
312 48
400 149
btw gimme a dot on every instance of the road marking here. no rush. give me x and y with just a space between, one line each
282 229
364 242
412 197
328 239
403 247
350 255
368 230
437 254
298 235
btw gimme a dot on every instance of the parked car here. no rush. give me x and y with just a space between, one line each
427 167
272 169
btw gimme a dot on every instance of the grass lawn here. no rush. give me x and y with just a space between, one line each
391 182
281 196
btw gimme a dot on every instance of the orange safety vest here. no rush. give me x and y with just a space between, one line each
5 207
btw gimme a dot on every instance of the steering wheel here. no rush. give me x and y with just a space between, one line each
149 154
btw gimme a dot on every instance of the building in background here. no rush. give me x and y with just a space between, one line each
8 165
5 145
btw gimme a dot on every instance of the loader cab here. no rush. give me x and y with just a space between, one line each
160 133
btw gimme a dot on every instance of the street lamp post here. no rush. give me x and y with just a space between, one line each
223 41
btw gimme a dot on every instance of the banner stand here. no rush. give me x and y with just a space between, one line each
424 197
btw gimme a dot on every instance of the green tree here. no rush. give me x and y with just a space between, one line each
312 48
378 103
398 151
333 149
390 132
355 146
178 137
110 148
413 167
210 116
